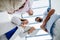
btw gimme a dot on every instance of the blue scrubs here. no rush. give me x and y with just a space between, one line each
10 33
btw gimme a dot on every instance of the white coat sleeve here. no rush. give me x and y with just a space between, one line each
16 20
30 3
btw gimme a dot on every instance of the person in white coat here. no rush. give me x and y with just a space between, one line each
20 25
51 24
30 30
15 6
12 6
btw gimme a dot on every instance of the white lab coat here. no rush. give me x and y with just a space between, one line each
14 5
11 4
16 20
9 26
6 25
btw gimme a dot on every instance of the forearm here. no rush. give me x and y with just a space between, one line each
51 12
31 30
46 19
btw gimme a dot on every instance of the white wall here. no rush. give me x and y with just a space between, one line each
56 5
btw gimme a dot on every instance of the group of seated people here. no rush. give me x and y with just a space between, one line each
31 30
21 6
47 24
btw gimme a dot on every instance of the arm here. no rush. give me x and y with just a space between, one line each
31 30
51 12
30 11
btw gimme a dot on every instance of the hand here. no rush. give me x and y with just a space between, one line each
43 27
31 30
30 12
11 11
